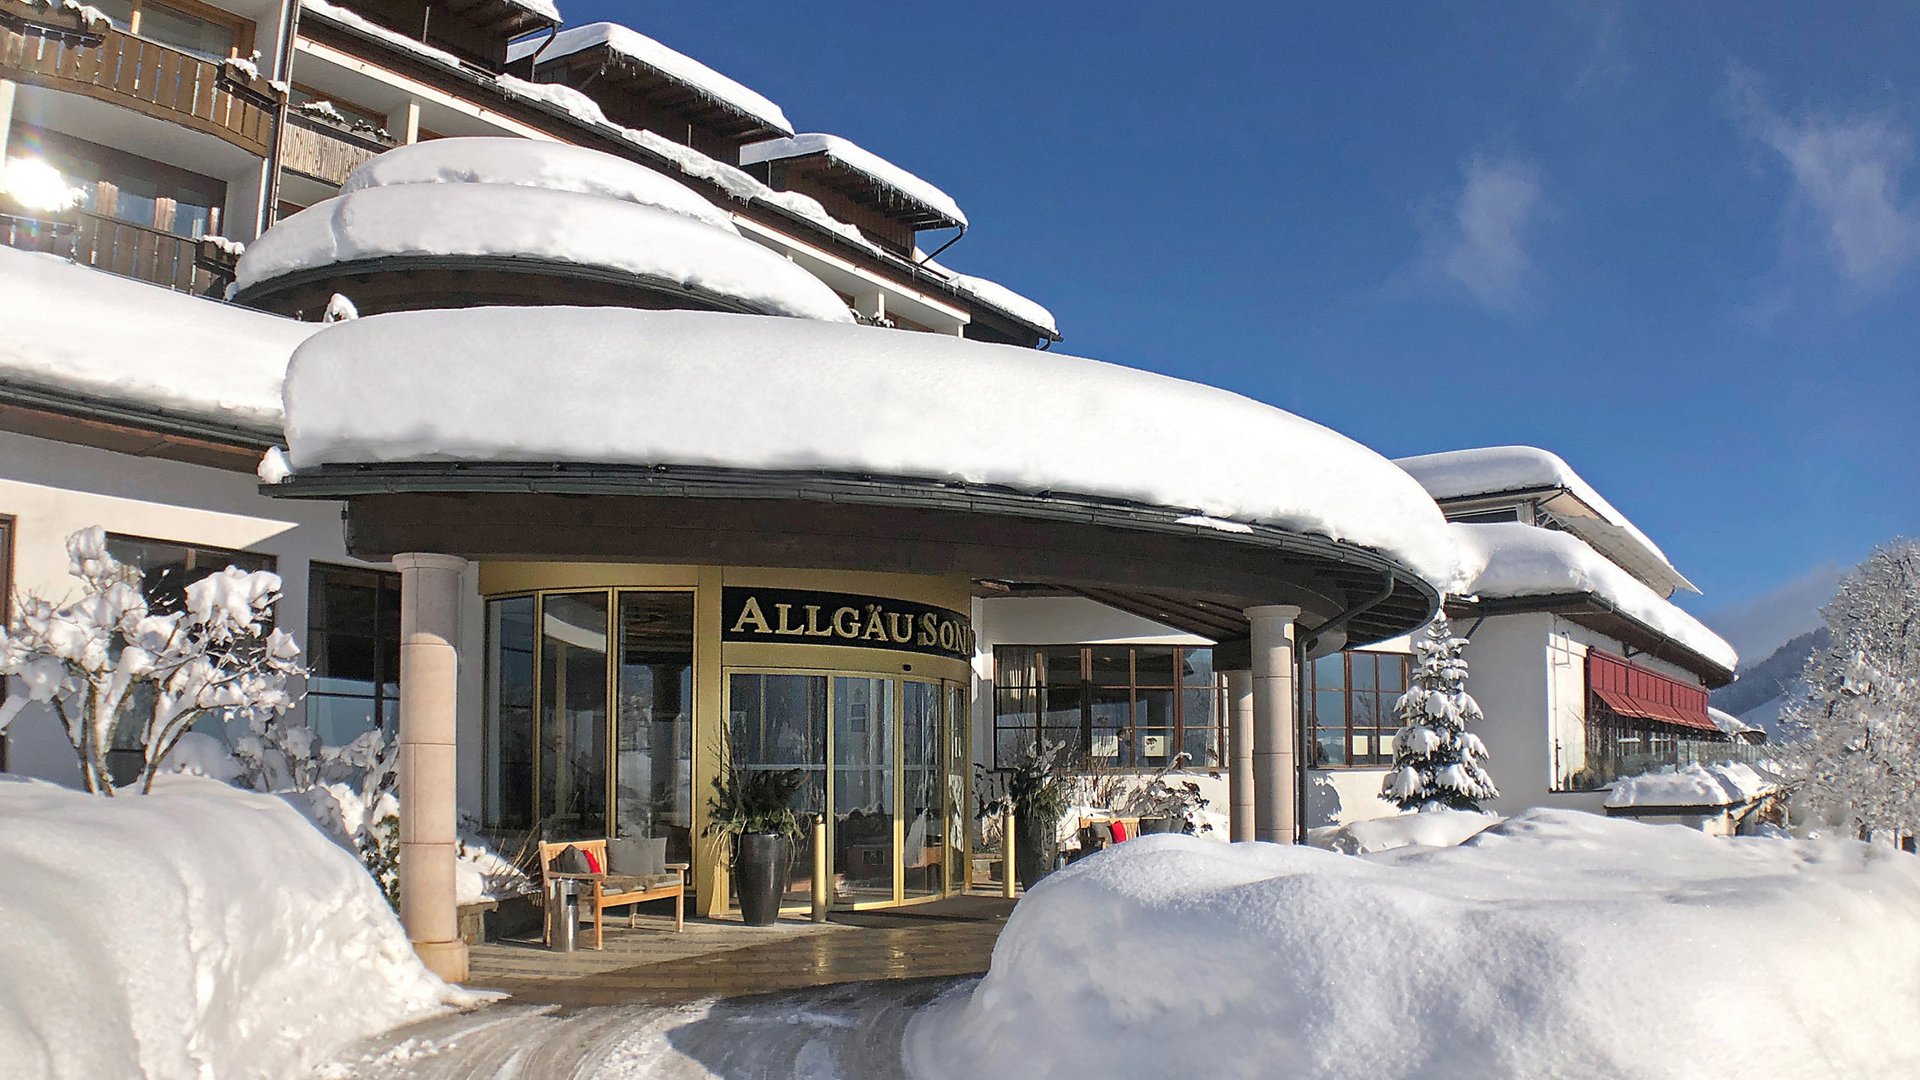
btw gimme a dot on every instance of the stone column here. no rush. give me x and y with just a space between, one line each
1273 719
1240 755
430 588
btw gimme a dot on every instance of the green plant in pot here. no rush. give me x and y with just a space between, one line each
1038 788
752 811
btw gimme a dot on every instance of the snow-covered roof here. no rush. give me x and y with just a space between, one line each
704 389
75 330
1507 560
344 17
1720 784
1502 470
531 163
512 221
995 295
1728 722
670 64
543 8
865 162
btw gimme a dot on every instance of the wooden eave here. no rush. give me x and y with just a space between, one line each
81 421
500 17
643 82
1595 613
823 170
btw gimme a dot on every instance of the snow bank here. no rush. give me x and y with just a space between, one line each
647 387
677 66
1495 470
1432 828
534 164
1503 560
530 222
846 153
199 931
1721 784
1555 944
83 331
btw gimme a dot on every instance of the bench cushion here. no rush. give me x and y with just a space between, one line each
637 856
624 883
570 861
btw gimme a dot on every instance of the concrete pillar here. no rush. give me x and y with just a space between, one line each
1240 755
871 305
1273 720
7 89
407 120
430 588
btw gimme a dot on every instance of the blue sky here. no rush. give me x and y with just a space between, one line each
1677 244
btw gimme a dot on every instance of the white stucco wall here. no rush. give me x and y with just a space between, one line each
52 489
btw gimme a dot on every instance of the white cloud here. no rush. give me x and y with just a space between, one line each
1845 174
1482 245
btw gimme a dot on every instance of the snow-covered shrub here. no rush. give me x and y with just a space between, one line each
110 658
1437 763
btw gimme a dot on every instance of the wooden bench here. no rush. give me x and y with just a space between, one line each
617 890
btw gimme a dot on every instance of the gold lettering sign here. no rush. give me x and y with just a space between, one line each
797 616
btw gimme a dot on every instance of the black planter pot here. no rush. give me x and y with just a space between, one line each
1159 825
1035 849
759 876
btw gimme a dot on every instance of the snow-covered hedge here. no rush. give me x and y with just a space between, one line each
1553 944
202 931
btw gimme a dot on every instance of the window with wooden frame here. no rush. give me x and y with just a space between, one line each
133 189
1116 706
1348 700
195 28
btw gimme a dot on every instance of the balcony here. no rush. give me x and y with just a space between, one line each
326 151
58 49
200 267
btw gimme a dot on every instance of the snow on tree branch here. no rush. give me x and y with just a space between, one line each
110 658
1437 763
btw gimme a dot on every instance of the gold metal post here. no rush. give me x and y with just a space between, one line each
1007 882
820 894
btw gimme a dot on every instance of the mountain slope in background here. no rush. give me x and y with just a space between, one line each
1765 688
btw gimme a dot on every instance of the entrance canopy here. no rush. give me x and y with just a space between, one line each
784 442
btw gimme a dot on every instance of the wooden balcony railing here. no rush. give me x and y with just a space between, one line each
325 152
56 48
121 247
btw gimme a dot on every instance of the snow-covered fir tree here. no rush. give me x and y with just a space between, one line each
1437 763
1859 762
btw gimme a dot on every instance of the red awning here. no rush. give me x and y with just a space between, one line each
1631 690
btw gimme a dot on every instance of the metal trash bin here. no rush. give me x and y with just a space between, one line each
563 914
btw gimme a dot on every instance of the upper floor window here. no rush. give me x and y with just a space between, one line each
353 652
1120 706
127 188
1349 699
198 29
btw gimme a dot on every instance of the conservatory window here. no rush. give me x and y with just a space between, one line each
1116 706
1348 698
353 652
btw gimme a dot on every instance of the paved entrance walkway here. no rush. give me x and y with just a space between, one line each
793 1000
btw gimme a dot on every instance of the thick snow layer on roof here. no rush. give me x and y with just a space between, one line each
1726 783
1728 722
677 66
84 331
563 226
996 295
1504 560
542 8
531 163
702 389
197 931
865 162
1554 944
1494 470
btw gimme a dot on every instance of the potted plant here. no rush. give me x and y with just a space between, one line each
1038 789
752 811
1163 807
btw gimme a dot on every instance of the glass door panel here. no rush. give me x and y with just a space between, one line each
923 848
508 799
864 805
573 715
959 777
779 722
653 720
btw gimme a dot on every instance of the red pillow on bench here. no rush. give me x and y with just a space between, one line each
1119 832
593 861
